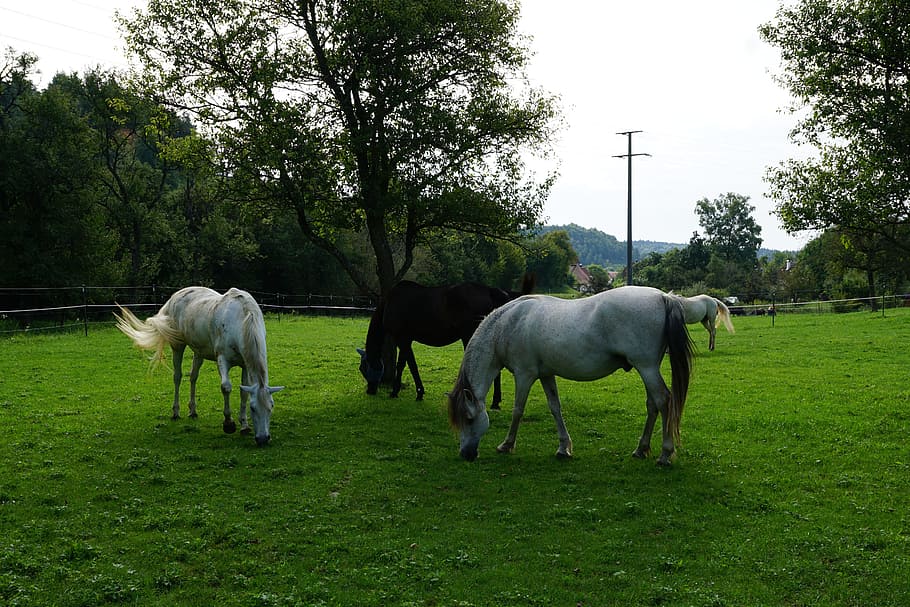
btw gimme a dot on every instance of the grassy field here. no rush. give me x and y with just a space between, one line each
791 486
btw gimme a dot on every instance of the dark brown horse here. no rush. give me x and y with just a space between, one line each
433 316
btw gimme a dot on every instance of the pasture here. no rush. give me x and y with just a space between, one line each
791 486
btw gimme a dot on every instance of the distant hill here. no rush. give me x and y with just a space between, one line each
596 247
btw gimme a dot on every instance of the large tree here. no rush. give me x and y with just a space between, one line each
51 233
847 65
400 120
731 231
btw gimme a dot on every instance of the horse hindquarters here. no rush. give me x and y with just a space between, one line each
669 402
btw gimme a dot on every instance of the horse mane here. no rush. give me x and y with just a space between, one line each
376 331
254 345
458 415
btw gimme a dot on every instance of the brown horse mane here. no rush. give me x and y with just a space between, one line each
458 416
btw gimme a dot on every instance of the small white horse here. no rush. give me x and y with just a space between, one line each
541 337
228 329
709 312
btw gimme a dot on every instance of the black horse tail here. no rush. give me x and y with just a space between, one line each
682 355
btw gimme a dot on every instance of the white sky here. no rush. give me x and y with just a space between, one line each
693 76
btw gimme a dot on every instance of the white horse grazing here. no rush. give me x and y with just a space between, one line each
228 329
541 337
709 312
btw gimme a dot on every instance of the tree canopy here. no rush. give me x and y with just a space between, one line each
399 120
847 65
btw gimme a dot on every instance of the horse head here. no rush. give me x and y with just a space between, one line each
261 405
371 371
469 417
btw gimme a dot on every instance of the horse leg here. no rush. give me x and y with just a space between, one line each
178 375
194 375
224 369
565 441
712 331
658 401
497 391
244 398
522 388
399 371
412 367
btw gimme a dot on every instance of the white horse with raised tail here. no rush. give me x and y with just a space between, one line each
541 337
707 310
228 329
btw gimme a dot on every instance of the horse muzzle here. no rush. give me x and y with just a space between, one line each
469 451
263 440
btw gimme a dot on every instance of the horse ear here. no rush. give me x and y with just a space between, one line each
473 407
274 389
361 351
250 389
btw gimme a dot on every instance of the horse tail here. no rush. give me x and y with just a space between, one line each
682 355
152 334
723 314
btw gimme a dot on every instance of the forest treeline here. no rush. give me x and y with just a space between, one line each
101 186
339 147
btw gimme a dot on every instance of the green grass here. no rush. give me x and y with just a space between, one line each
791 487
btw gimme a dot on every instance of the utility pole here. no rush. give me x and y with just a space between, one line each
629 236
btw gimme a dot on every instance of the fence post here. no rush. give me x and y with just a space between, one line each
84 312
278 297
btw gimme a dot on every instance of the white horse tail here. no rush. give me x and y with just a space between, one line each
723 314
152 334
682 354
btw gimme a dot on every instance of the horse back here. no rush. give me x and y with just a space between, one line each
581 339
213 324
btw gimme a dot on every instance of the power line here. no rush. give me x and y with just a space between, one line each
57 23
48 46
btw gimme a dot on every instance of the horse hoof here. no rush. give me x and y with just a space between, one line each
419 397
663 463
562 455
194 415
505 448
641 453
175 416
246 430
495 406
229 427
